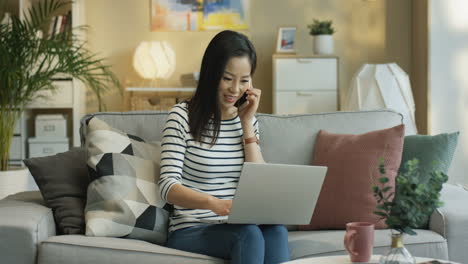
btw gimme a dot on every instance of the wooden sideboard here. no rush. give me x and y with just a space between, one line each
154 98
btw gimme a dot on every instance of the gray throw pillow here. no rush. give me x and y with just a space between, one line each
123 197
62 180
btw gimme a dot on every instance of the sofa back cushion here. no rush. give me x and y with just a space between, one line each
286 139
290 139
147 124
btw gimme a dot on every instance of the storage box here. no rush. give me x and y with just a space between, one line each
40 147
51 126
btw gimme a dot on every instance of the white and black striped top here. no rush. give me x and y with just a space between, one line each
214 170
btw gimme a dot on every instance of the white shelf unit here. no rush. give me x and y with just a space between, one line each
305 84
68 99
18 148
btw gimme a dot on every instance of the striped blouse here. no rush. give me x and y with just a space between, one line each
213 170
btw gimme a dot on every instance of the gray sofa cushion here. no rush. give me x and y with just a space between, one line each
72 249
317 243
77 249
145 124
290 139
285 139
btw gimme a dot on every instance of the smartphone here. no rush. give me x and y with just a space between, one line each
241 100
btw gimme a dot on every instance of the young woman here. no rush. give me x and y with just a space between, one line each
205 143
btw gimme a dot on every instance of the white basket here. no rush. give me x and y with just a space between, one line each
54 126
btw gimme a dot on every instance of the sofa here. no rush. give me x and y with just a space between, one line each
28 232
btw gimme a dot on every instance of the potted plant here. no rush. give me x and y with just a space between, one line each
29 60
322 31
408 206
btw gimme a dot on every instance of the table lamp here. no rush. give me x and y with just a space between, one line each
154 60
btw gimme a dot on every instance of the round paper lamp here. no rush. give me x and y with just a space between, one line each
154 60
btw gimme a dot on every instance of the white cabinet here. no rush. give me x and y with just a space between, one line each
305 102
304 84
67 99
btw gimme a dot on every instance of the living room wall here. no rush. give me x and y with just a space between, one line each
368 31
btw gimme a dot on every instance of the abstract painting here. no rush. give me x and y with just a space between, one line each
199 15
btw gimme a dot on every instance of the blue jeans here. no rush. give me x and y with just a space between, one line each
240 243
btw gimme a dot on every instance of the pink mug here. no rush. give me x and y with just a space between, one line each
359 241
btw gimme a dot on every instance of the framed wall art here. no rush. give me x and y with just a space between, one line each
199 15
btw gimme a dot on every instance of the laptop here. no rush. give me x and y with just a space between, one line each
275 194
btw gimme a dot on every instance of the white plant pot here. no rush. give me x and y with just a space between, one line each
13 181
323 44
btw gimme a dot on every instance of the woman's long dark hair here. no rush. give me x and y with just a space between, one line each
204 105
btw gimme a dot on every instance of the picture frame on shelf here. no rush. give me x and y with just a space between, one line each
286 40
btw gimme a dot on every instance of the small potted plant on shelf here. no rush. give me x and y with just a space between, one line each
322 31
29 60
407 206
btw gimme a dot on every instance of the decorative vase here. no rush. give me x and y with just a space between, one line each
398 254
13 181
323 44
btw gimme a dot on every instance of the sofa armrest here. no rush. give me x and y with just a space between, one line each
23 225
28 196
451 221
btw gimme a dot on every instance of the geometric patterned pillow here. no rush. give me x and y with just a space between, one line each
123 198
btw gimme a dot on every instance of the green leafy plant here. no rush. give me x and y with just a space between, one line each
414 198
29 61
321 27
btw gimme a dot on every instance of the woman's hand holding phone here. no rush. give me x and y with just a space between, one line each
248 109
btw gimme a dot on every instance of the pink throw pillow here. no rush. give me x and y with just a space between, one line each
352 162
